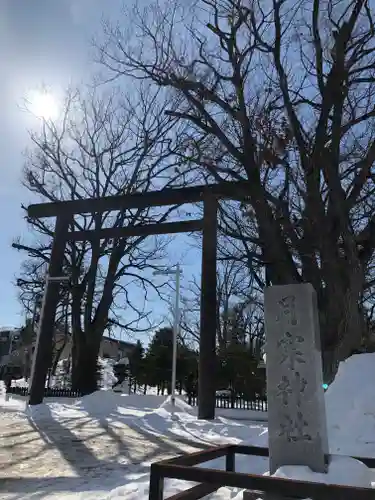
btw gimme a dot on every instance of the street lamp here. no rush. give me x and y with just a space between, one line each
49 279
177 272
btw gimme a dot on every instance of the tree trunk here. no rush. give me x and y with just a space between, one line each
343 328
341 318
85 369
58 356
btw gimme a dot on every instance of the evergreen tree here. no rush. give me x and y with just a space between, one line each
159 358
137 365
187 369
238 359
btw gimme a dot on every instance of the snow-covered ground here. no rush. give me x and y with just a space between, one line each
90 445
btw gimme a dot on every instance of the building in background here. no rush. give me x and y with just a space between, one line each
16 350
12 355
9 340
115 349
109 348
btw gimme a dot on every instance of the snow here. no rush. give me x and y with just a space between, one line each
107 376
153 419
123 387
342 470
181 422
350 407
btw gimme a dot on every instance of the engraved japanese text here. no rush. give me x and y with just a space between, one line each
294 429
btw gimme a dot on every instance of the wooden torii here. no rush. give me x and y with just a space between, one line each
66 210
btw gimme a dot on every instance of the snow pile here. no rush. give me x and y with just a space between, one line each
179 405
107 376
98 404
180 422
15 407
350 407
114 407
342 470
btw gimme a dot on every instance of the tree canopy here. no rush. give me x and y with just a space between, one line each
103 144
281 95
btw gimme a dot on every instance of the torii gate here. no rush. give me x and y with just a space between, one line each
66 210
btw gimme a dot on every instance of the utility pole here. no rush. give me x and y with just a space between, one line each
177 272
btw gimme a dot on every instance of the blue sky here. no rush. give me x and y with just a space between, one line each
43 42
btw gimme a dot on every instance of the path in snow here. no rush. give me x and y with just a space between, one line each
85 448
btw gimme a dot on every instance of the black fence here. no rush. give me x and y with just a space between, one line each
186 468
48 392
226 402
234 403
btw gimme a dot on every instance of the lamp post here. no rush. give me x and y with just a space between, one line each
177 272
48 280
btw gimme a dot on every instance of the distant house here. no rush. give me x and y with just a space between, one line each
109 347
13 351
9 343
115 349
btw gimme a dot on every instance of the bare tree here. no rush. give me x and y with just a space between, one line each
103 145
235 296
281 95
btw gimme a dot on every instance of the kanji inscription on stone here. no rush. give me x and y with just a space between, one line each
289 346
288 309
294 429
297 426
285 390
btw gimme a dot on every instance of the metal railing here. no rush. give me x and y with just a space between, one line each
234 403
187 468
48 392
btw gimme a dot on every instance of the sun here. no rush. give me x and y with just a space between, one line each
43 105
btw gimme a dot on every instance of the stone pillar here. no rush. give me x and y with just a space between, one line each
297 428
